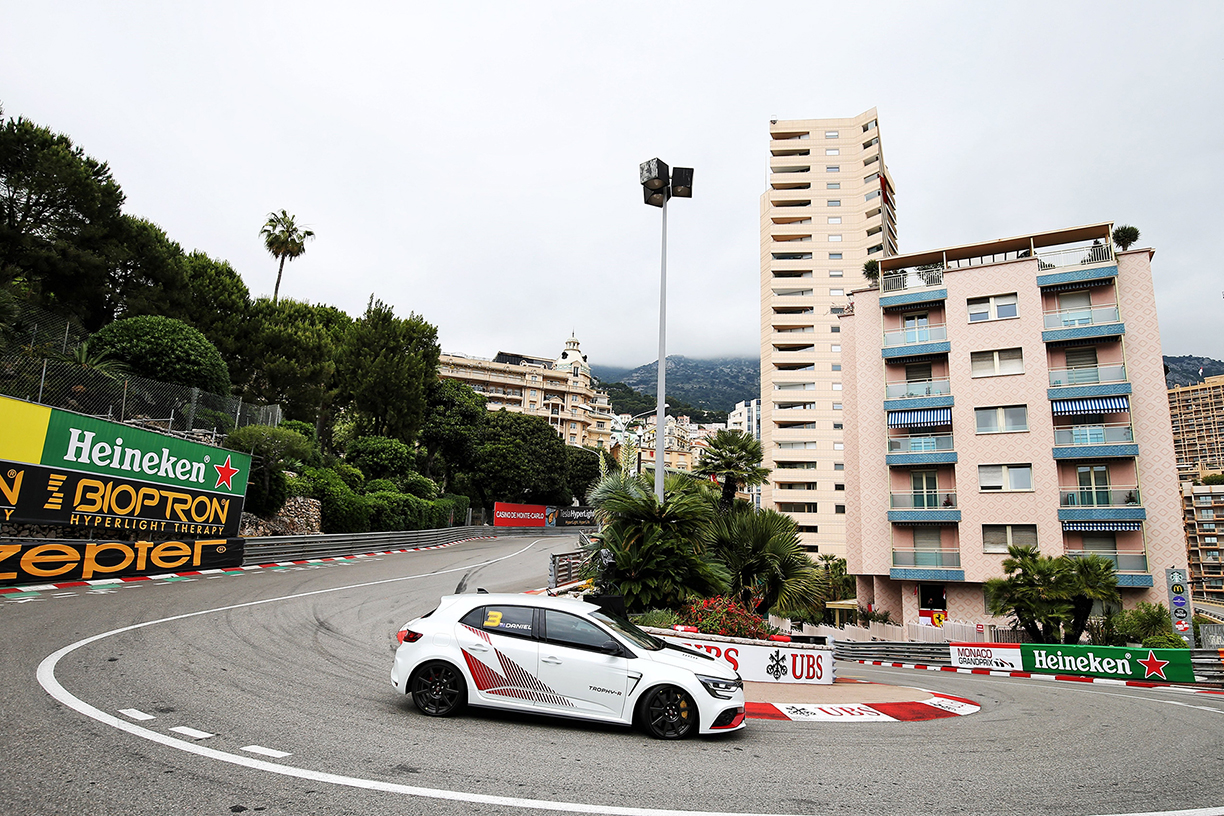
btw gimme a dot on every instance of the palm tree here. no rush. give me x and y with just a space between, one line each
1125 235
1036 592
285 241
81 356
734 458
1093 579
767 566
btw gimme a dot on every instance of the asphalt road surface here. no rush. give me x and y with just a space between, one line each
278 680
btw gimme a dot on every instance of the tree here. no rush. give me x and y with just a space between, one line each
60 220
871 271
1124 236
285 240
734 457
767 565
519 458
82 356
581 469
454 416
161 348
380 457
145 273
1035 593
1093 580
292 351
218 303
385 368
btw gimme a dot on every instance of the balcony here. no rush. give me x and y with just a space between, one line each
1076 324
1122 561
912 506
940 559
932 339
917 394
1089 381
920 450
1106 440
911 286
1085 263
1115 503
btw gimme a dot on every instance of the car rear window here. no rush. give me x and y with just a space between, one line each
515 621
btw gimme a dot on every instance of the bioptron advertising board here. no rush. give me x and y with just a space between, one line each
65 469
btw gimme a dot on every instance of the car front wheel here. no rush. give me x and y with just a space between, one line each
669 712
438 689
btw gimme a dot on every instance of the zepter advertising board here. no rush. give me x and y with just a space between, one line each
68 469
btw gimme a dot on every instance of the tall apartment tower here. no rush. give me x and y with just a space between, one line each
1009 392
1197 412
829 208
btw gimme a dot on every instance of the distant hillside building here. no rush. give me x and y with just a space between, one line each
1197 413
1200 504
559 390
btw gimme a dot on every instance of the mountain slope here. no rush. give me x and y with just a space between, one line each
1185 370
715 385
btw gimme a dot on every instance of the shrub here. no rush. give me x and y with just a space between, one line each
417 485
353 477
304 428
724 616
1164 641
266 496
865 617
343 510
381 486
660 618
164 349
454 509
299 486
380 457
209 419
1144 621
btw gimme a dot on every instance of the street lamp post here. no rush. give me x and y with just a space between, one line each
658 185
632 419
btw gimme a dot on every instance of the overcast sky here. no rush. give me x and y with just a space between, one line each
476 163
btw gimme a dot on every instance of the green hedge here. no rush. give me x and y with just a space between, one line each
382 509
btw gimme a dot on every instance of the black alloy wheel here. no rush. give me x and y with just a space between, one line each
669 712
438 689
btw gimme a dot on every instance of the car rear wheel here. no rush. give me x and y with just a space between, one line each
669 712
438 689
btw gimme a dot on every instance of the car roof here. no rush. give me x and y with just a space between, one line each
472 599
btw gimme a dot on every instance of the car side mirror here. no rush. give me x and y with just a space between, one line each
610 647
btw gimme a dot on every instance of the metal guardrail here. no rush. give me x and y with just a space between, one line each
296 548
564 568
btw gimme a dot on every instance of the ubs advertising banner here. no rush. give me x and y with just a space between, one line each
773 663
1115 662
62 468
32 562
538 515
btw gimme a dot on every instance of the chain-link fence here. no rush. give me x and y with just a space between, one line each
40 332
135 400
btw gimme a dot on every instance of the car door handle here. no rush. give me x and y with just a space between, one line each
550 659
478 647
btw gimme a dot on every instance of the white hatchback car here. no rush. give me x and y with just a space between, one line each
563 657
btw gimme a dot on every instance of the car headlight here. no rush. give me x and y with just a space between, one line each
719 687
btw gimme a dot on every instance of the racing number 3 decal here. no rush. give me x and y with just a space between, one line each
493 620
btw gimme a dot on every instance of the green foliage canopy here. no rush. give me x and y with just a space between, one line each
164 349
293 348
519 458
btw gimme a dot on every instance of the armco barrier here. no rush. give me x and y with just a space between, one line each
295 548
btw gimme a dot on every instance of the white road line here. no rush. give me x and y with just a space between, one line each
268 752
136 714
191 732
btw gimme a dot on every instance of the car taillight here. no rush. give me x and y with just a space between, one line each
406 635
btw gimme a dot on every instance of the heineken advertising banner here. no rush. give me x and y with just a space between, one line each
537 515
1115 662
31 562
62 468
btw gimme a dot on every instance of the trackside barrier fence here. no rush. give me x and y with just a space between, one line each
298 548
564 568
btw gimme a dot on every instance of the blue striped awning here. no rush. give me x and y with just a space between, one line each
920 417
1091 405
1101 526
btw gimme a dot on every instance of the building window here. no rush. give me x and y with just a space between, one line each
837 366
832 151
599 425
1210 539
809 529
533 392
835 347
835 256
834 202
871 195
835 273
837 386
1010 478
797 445
573 425
839 465
573 438
869 126
839 446
797 507
832 168
1004 419
837 406
996 538
833 185
997 363
839 486
840 509
834 219
997 307
837 292
830 134
835 330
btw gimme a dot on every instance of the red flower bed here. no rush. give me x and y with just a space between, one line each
725 616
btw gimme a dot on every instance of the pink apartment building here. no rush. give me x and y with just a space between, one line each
1009 392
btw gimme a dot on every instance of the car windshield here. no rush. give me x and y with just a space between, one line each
623 627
